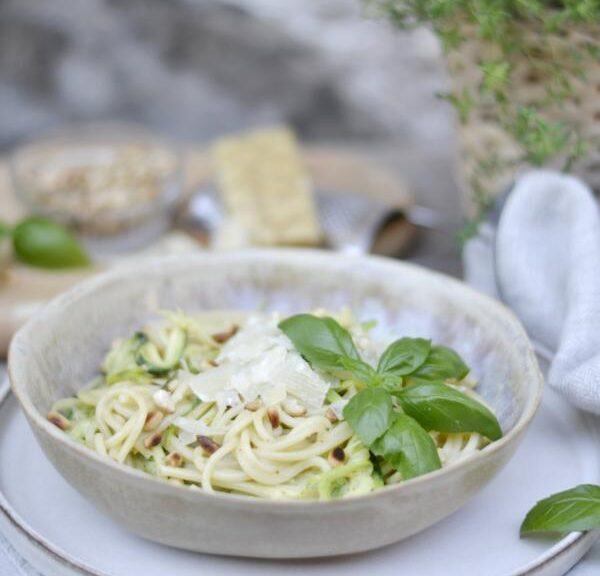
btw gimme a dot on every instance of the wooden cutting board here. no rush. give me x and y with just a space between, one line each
24 289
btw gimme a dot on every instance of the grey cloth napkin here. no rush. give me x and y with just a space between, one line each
543 260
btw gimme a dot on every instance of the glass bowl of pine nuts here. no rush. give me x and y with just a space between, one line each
117 186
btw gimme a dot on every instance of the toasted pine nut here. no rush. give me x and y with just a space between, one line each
207 364
208 444
293 407
174 459
153 419
331 415
254 405
336 456
153 440
222 337
59 420
273 415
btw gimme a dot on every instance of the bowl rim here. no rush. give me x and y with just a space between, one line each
89 286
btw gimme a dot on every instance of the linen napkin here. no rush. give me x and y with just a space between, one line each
542 258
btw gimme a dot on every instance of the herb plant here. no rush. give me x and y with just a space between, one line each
400 400
503 26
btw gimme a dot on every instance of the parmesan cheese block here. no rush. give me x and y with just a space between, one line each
265 188
259 361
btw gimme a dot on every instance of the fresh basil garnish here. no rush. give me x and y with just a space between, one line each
360 370
574 510
370 414
412 371
436 406
408 448
404 356
442 364
322 341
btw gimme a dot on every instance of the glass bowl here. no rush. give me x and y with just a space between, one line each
116 186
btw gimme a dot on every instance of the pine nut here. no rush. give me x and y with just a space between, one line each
222 337
331 415
293 407
337 456
254 405
174 459
153 419
153 440
273 415
59 420
208 444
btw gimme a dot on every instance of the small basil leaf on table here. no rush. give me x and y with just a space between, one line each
322 341
439 407
359 370
369 414
408 448
442 364
404 356
41 242
574 510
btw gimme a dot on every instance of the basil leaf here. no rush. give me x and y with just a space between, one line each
437 406
322 341
369 414
574 510
390 382
359 370
404 356
441 364
41 242
408 448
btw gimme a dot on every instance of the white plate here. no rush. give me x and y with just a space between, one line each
60 533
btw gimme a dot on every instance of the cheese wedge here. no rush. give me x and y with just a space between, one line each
265 188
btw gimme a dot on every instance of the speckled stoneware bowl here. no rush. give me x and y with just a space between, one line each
60 349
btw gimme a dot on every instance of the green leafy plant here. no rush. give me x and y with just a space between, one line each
43 243
577 509
400 400
501 27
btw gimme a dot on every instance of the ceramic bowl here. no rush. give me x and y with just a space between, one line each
61 348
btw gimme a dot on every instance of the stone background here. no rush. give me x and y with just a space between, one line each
194 69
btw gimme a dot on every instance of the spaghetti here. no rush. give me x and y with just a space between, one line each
222 405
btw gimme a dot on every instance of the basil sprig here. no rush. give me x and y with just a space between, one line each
403 398
574 510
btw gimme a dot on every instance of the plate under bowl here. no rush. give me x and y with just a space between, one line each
60 349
